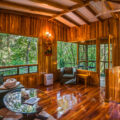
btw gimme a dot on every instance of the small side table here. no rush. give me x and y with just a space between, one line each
83 76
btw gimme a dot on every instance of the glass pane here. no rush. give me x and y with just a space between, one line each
92 66
66 54
102 68
8 71
17 50
91 52
87 57
23 70
82 65
33 69
82 51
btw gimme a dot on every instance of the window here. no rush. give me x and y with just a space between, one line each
66 54
104 58
87 57
17 50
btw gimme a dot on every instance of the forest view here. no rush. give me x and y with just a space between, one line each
66 54
17 50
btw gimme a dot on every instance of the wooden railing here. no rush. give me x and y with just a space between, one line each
18 69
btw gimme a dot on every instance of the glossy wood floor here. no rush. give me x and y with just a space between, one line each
75 102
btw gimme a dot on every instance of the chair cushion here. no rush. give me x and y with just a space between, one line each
1 79
68 76
68 70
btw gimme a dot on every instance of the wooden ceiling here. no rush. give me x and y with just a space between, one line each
70 12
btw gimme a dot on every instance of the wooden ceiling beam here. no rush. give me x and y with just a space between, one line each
108 6
70 9
94 13
114 1
51 3
78 14
7 4
70 20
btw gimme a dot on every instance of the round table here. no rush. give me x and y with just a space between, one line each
12 101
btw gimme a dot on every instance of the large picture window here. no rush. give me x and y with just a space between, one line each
66 54
17 50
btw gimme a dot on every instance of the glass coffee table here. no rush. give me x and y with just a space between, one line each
12 101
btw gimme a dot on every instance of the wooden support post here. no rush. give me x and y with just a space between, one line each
86 56
107 85
109 52
77 54
97 52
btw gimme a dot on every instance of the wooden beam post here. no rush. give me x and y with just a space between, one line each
97 52
77 54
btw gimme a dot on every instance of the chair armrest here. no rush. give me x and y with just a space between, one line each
74 71
61 72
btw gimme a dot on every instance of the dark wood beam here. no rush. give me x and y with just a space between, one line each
94 13
51 3
70 20
70 9
6 11
114 1
7 4
78 14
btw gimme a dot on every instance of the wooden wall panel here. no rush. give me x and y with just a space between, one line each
112 92
36 27
28 80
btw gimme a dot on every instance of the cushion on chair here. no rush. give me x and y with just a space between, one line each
68 76
68 70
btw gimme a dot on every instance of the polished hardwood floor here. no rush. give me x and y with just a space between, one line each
75 102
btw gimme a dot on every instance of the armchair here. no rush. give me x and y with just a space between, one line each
68 75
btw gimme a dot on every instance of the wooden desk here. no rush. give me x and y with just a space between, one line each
83 76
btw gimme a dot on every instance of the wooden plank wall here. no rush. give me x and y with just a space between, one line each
113 75
36 27
112 92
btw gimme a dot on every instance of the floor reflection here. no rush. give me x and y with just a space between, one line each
65 103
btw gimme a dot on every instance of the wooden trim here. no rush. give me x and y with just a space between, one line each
1 67
70 20
94 13
78 14
8 4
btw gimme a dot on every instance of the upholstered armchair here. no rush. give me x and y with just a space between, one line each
68 75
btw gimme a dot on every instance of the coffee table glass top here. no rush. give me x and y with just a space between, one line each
12 101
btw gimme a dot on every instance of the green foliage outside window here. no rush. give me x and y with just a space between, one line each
87 57
66 54
17 50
